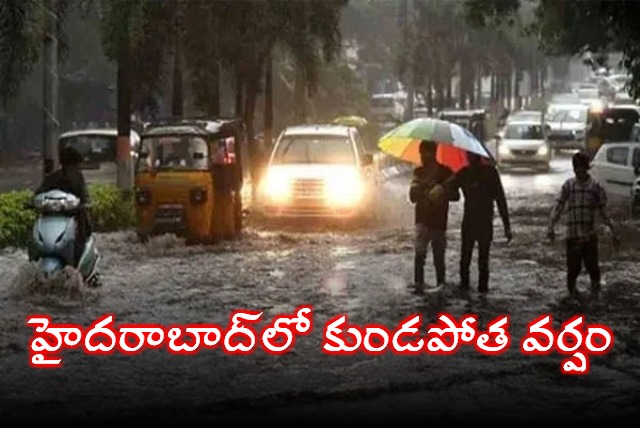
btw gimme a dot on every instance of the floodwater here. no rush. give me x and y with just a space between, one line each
364 273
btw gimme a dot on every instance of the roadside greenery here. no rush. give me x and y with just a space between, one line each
109 212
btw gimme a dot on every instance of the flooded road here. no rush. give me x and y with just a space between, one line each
363 273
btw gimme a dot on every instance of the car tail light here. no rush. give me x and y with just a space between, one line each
143 197
198 195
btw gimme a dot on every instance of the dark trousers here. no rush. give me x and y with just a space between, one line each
426 236
82 234
579 251
467 244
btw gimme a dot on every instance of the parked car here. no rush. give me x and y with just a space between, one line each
617 167
523 143
566 126
319 171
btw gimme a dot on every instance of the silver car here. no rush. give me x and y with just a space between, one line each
523 143
566 126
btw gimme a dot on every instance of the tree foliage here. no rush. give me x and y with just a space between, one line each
23 26
574 27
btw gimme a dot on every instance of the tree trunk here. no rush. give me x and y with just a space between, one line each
471 88
50 90
494 87
499 87
299 96
125 174
516 88
479 88
240 84
177 104
430 95
214 102
448 93
268 103
509 80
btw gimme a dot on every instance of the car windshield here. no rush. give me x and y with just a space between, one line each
573 115
523 132
314 149
174 153
94 148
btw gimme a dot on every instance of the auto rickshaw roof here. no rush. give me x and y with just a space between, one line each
203 127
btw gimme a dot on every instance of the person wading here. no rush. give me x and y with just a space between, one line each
583 197
482 188
431 212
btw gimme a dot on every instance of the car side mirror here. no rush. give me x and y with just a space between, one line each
366 159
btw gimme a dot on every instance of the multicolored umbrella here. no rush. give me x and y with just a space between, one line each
454 141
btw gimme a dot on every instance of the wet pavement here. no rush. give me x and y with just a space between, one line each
364 273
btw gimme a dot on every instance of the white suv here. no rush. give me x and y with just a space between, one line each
319 171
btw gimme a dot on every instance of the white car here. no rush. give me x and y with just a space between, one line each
616 166
523 143
566 126
319 171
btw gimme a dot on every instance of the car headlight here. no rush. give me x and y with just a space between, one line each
344 189
277 186
503 149
543 150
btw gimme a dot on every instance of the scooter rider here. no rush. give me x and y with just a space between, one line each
69 179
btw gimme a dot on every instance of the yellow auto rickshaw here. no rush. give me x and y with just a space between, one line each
188 179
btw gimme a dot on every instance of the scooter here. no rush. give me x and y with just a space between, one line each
54 233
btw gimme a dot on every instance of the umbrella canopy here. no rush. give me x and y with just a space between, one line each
357 121
454 141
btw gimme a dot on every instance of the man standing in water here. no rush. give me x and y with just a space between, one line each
583 197
481 187
430 213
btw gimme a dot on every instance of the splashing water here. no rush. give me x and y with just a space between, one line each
66 283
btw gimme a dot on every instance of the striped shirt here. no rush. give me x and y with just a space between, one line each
582 200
